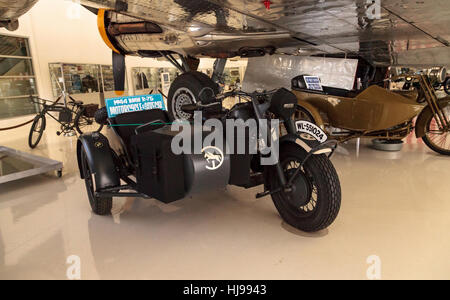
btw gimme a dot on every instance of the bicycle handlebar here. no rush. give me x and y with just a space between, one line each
46 102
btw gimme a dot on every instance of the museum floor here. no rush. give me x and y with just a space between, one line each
395 206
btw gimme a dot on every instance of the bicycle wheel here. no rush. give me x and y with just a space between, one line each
438 140
85 124
37 129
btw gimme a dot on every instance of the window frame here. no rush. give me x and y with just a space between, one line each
30 58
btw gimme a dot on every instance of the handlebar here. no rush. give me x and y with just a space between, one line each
216 101
40 101
252 95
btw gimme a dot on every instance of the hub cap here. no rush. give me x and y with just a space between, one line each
301 195
182 96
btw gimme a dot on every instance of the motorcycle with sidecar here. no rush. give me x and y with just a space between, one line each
377 113
137 159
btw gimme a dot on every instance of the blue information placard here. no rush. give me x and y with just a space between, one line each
120 105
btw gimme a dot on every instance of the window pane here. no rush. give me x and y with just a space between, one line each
57 79
15 67
108 79
81 78
13 46
16 107
146 80
17 87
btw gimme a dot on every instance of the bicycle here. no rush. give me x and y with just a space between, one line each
73 115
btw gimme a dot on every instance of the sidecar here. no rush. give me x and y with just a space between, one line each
134 158
373 109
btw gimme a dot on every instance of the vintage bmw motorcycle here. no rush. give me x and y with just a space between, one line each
376 112
138 160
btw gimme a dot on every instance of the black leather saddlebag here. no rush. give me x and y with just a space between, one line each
160 173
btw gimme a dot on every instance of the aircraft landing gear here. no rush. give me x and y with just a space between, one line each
185 88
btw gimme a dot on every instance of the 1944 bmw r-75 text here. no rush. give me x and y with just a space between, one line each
376 112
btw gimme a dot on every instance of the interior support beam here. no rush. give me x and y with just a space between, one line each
219 68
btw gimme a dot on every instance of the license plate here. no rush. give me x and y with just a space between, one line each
311 129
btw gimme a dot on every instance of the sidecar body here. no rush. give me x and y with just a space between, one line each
135 158
373 109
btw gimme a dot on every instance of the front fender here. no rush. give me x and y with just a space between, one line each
309 145
425 116
100 159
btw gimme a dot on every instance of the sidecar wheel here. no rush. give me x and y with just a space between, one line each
100 205
318 205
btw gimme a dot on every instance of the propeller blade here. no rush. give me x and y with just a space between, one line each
119 73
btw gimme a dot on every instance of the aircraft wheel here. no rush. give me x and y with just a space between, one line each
185 90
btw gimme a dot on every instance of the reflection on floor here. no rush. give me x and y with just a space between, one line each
395 206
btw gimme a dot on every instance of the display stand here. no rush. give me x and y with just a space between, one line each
15 165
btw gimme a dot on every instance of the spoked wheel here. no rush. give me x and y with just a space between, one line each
84 124
315 199
100 205
301 114
447 86
438 140
36 131
182 96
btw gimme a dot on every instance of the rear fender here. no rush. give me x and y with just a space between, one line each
100 159
425 116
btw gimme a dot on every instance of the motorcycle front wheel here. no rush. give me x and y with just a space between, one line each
438 140
315 200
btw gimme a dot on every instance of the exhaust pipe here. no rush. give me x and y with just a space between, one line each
133 28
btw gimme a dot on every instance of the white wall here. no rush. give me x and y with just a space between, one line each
63 31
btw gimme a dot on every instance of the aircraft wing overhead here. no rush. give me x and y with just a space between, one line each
10 11
384 35
385 32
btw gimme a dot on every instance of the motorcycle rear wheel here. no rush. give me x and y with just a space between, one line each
323 200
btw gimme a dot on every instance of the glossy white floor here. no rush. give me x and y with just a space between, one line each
395 206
